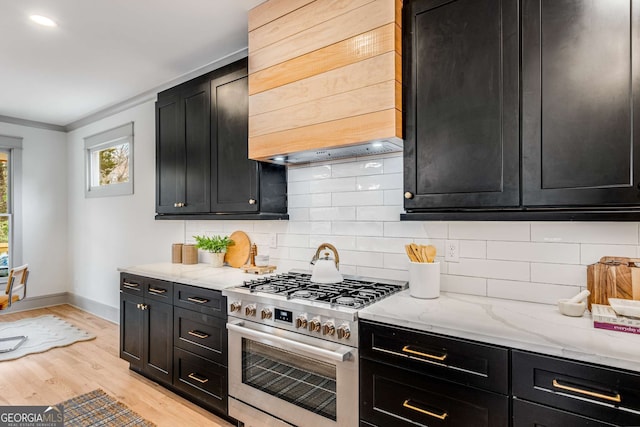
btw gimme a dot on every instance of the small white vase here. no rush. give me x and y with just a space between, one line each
217 259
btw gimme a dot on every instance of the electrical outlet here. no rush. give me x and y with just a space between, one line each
273 240
452 250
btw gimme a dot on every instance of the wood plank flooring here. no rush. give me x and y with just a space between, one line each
62 373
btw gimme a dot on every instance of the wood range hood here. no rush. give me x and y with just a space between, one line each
325 79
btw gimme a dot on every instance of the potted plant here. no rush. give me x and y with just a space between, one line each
216 245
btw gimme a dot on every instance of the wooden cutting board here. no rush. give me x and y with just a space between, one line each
238 253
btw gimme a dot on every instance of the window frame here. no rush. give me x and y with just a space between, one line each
98 142
13 145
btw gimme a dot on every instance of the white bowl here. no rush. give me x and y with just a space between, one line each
625 307
573 309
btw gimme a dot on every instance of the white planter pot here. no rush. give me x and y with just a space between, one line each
217 259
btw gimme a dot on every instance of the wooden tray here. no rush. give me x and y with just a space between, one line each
238 253
258 270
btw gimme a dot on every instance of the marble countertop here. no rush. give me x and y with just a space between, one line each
202 275
527 326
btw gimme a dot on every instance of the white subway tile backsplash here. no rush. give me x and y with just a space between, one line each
308 173
336 213
358 168
509 270
561 253
355 204
358 198
473 249
592 253
526 291
358 228
380 182
379 213
488 230
463 285
559 274
615 233
332 185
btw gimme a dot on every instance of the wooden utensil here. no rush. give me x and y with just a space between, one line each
416 252
430 252
410 254
238 253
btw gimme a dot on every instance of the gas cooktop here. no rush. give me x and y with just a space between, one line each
351 292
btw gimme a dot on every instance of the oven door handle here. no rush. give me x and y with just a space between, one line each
336 356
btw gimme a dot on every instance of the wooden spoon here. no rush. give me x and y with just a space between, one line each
430 253
409 251
416 252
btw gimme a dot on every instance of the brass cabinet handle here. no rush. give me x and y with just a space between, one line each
130 285
198 334
195 377
179 205
252 201
617 398
198 300
142 306
408 195
157 291
441 416
406 349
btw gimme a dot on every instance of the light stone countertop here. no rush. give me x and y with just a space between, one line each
527 326
202 275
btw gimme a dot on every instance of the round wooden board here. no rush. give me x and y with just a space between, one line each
238 253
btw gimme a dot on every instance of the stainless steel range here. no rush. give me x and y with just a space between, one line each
293 356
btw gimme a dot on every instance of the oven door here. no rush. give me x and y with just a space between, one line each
301 380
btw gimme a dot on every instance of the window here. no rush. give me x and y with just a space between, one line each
10 225
109 160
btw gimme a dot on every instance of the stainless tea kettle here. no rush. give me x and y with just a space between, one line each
325 269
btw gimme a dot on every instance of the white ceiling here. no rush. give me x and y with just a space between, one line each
104 52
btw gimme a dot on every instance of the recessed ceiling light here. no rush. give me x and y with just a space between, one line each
43 20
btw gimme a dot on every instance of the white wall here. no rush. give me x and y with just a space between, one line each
111 232
356 205
44 207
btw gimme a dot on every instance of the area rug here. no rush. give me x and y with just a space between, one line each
43 333
97 408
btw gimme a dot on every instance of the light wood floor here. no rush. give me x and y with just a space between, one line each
62 373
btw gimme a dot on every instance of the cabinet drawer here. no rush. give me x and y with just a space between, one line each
465 362
202 300
132 284
527 414
391 396
158 290
202 379
201 334
589 390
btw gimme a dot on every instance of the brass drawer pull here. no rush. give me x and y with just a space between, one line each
441 416
406 349
198 300
195 377
157 291
617 398
130 285
198 334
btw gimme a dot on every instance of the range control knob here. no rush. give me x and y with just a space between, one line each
344 331
250 310
236 306
315 325
266 313
328 328
301 321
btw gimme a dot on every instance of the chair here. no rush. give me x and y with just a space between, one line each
16 285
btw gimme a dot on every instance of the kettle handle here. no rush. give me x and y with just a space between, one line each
322 246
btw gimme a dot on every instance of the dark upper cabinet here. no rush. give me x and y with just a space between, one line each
461 103
579 134
182 149
203 170
554 138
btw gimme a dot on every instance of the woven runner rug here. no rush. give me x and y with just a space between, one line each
43 333
97 408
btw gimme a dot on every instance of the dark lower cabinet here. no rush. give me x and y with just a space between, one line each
146 328
413 378
176 335
557 388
